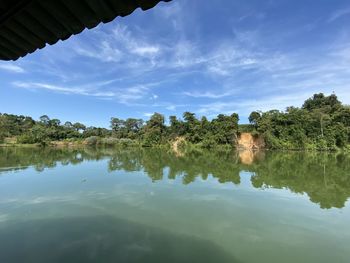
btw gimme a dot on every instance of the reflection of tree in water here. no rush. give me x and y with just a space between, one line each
128 160
21 158
191 166
325 178
16 158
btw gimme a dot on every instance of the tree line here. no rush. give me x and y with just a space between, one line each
322 123
220 130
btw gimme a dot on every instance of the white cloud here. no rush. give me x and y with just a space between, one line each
11 67
208 94
59 89
279 102
125 95
104 52
171 107
185 54
120 46
145 50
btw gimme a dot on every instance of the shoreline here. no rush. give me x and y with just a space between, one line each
186 147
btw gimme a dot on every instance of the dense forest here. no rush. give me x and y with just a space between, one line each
221 130
322 123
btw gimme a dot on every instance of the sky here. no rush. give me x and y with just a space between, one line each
206 57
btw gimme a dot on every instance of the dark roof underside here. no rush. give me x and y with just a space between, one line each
28 25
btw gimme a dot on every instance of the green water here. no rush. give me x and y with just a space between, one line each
105 205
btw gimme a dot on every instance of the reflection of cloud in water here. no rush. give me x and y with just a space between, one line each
38 200
4 217
101 239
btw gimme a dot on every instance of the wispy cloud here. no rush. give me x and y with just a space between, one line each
118 45
338 14
105 52
148 114
171 107
122 95
60 89
8 66
208 94
245 106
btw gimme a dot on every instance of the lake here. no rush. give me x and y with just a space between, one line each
151 205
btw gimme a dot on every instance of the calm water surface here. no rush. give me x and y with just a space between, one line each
108 205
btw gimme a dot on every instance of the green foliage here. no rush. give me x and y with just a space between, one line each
96 131
321 124
208 142
254 117
221 130
320 101
246 128
92 140
26 138
154 130
112 141
224 128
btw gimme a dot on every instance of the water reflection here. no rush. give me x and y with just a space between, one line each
101 239
324 177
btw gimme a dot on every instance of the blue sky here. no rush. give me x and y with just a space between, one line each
206 57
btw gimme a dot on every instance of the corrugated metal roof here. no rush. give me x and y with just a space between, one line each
28 25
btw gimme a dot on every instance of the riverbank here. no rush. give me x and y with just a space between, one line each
179 146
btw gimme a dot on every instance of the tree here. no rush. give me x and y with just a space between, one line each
133 125
319 100
44 119
54 123
177 127
192 127
225 128
68 125
254 118
118 127
322 123
154 130
79 127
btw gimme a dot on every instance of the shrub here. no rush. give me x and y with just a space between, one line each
321 145
127 142
109 141
92 140
311 146
271 141
208 143
26 138
347 148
